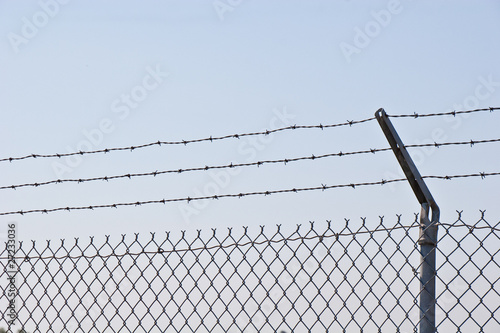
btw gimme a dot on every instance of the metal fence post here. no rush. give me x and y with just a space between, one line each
428 228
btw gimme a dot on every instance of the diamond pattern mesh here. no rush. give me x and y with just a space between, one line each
323 277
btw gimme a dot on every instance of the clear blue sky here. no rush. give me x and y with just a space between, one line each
79 74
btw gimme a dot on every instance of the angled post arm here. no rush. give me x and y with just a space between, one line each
428 227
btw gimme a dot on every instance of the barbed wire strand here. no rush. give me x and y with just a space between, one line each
205 168
323 187
235 165
451 113
189 199
479 174
185 142
457 143
238 136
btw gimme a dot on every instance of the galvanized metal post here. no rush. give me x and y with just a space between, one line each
428 228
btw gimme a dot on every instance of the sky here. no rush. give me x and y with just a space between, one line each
90 75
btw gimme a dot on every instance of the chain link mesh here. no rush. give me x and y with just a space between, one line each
324 277
468 277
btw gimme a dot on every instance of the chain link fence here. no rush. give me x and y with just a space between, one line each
468 277
352 276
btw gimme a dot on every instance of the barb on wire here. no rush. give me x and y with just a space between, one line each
185 142
458 143
451 113
285 161
323 187
237 136
235 165
479 174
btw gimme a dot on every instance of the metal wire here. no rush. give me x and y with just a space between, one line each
235 165
205 168
439 144
467 278
318 277
185 142
451 113
238 136
323 187
479 174
340 276
222 246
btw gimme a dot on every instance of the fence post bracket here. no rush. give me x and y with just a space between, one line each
428 227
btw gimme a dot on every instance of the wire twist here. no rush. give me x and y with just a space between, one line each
238 136
323 187
235 165
186 142
451 113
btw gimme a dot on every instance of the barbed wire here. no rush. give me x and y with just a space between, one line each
479 174
205 168
457 143
323 187
451 113
235 165
185 142
237 136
